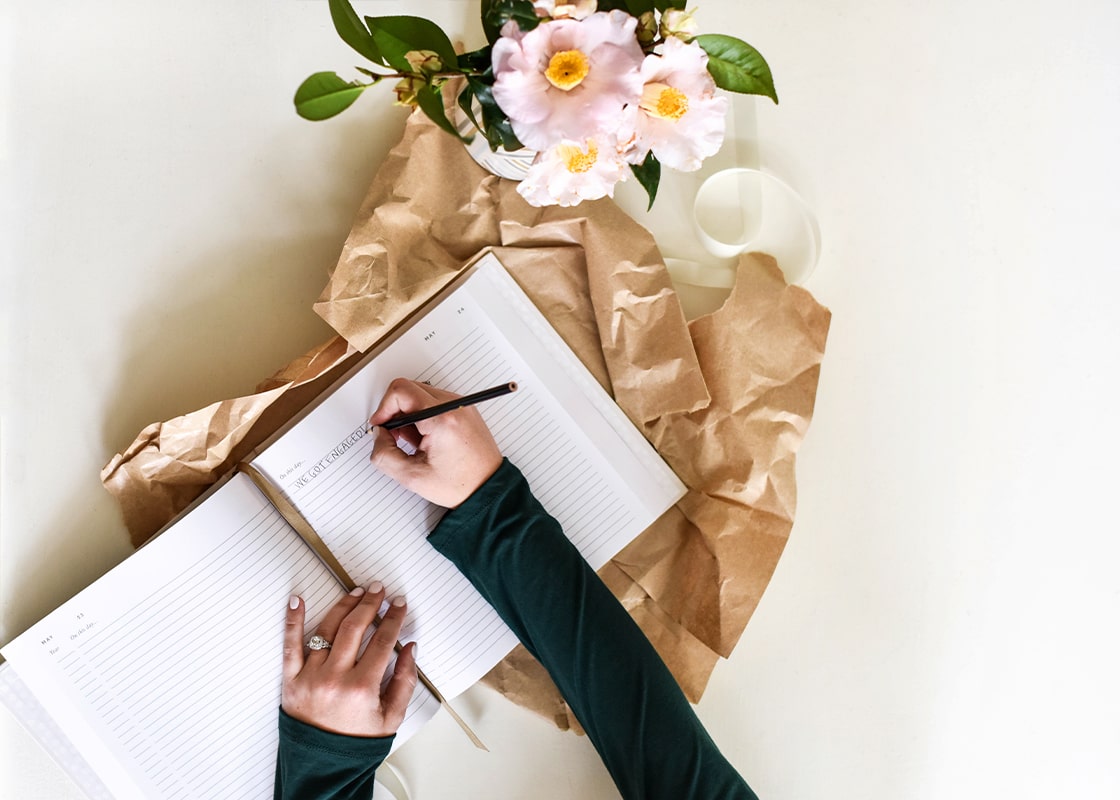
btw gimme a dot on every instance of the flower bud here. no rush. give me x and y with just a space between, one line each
647 28
424 61
675 22
565 9
407 88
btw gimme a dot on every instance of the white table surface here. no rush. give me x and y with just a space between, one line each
944 621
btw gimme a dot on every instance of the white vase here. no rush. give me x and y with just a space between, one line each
503 163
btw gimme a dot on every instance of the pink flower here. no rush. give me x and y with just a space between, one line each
571 172
567 79
678 116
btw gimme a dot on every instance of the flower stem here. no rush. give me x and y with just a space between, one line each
380 76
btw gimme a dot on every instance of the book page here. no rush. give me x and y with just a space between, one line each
30 713
165 674
585 462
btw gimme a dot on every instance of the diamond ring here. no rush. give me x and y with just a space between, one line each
317 642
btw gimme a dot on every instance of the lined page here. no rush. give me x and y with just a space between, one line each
166 672
598 483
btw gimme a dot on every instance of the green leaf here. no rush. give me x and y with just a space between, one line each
475 60
495 123
664 5
736 66
324 94
491 30
638 7
496 13
352 31
396 36
611 5
466 103
430 100
648 174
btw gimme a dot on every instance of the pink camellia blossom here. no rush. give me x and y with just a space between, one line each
571 172
678 116
567 79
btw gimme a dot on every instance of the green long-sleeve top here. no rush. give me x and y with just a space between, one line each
634 712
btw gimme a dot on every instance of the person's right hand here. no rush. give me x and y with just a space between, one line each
455 452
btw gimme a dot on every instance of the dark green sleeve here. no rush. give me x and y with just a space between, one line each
313 764
634 712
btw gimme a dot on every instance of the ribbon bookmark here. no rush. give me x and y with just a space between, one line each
294 518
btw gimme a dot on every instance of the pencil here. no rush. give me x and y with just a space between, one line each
450 405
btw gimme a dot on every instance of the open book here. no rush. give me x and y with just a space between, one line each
163 677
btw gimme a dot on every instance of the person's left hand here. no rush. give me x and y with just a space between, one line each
334 689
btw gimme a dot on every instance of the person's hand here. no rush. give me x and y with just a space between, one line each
455 452
335 689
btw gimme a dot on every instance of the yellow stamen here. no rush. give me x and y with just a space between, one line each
662 100
567 69
576 160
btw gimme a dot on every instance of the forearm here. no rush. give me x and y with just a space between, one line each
634 712
326 766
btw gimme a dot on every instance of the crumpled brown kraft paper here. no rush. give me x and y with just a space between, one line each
726 399
170 464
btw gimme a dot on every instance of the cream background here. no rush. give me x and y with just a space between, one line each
945 617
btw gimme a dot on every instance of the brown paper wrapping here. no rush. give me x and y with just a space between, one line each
726 399
170 464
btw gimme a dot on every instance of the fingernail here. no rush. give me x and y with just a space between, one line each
397 601
376 587
293 602
415 649
357 591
